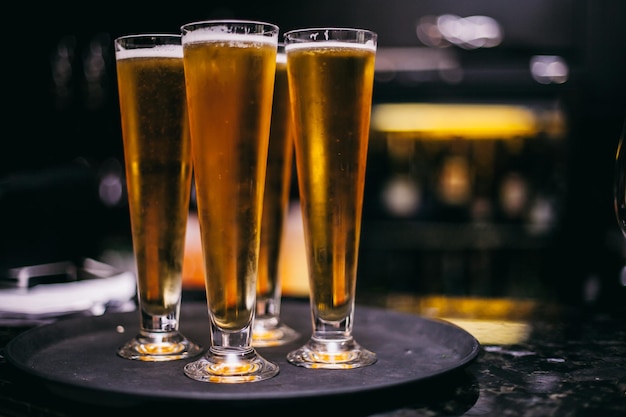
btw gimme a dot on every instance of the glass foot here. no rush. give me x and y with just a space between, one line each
159 347
331 354
231 366
267 333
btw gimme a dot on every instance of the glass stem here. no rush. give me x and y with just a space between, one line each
227 340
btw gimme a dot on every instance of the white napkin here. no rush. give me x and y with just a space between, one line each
89 295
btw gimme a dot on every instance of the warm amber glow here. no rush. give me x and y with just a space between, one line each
494 332
193 264
482 308
294 272
293 267
469 121
492 321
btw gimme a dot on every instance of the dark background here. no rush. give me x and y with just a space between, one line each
61 133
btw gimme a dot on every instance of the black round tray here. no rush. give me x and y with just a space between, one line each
76 358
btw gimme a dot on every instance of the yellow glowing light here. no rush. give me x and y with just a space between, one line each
494 332
445 121
492 321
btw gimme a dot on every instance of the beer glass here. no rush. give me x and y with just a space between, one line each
229 70
331 73
620 182
268 329
157 153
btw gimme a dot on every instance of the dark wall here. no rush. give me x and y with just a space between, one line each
590 33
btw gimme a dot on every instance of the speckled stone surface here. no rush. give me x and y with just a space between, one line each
570 368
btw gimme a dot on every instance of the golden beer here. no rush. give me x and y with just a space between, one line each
230 84
277 188
229 70
331 92
268 328
158 164
158 170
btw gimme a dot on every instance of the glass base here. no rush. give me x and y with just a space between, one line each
230 366
267 333
331 354
159 347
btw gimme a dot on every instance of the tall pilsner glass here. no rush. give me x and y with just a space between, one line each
157 152
331 75
269 330
229 68
619 190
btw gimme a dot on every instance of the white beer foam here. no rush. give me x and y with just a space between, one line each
369 45
237 39
160 51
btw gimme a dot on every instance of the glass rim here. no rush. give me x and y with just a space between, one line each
147 41
332 29
148 35
216 22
